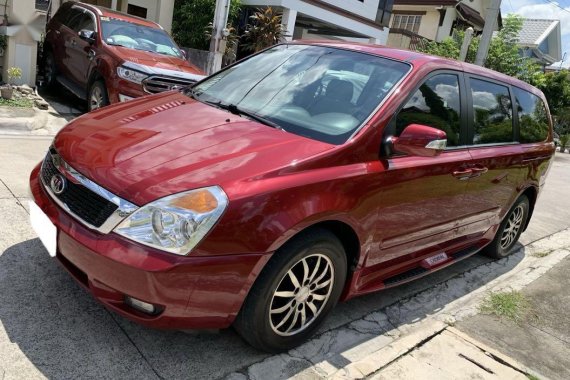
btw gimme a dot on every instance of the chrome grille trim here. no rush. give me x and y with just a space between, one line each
156 83
125 208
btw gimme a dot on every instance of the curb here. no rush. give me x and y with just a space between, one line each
365 346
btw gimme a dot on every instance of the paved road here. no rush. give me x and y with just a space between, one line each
50 327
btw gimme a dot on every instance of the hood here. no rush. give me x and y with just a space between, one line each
155 146
155 63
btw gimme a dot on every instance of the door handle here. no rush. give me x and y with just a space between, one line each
479 170
462 174
73 42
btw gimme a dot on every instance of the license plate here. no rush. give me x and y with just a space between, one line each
45 229
434 260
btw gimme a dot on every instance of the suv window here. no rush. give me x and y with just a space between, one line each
492 113
85 21
436 104
532 117
72 17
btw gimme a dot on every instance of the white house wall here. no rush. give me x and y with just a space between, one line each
165 12
330 17
366 8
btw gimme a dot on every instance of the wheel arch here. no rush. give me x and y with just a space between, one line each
531 193
343 231
95 76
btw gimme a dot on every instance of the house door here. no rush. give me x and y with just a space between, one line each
24 60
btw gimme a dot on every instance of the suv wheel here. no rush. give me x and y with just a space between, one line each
50 69
98 97
294 293
510 230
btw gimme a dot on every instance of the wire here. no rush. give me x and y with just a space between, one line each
511 4
556 5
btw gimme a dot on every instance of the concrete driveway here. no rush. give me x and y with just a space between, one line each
50 327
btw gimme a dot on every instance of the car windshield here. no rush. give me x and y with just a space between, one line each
318 92
139 37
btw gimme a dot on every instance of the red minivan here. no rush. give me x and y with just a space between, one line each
303 175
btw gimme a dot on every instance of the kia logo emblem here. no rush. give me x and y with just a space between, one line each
58 184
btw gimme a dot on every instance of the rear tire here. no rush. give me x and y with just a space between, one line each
509 230
294 293
50 70
98 97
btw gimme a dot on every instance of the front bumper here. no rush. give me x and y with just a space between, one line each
191 292
120 90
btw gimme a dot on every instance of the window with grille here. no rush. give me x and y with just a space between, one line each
42 5
408 22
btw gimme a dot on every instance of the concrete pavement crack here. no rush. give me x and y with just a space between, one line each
548 333
134 345
14 195
406 352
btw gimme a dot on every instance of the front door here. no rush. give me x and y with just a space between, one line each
80 52
422 198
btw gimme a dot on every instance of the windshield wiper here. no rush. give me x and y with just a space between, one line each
241 112
117 44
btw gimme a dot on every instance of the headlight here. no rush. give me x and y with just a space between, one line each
131 75
176 223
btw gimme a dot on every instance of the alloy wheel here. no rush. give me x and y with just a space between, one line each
96 99
301 295
513 227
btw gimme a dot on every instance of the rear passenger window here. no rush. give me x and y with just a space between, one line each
492 113
533 119
435 104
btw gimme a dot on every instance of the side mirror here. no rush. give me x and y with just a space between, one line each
87 35
420 140
184 54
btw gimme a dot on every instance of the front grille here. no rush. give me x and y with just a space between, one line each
84 203
156 84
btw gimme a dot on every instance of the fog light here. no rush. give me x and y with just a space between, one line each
145 307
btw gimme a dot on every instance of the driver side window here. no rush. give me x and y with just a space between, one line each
81 20
436 104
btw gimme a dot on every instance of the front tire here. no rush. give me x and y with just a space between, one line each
294 293
98 96
510 230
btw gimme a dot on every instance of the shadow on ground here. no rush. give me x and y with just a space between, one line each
64 333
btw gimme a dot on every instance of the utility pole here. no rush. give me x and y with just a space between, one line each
490 22
219 35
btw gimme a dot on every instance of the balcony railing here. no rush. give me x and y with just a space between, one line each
42 5
405 39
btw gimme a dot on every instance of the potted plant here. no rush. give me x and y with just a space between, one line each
264 31
8 91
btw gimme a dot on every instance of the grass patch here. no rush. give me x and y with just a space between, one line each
21 102
513 305
532 377
542 253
